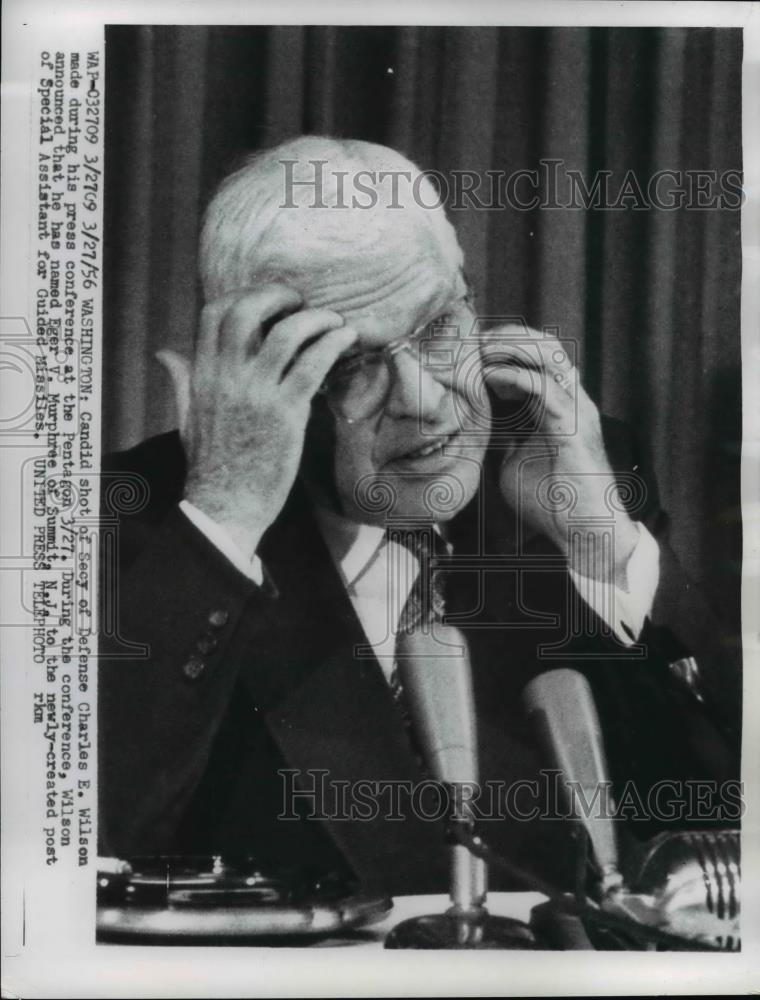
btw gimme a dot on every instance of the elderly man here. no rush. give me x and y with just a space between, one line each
342 383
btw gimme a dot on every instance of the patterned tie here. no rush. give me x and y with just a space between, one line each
425 605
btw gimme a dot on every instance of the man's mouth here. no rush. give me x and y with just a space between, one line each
429 449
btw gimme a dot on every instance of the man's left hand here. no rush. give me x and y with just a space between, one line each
555 472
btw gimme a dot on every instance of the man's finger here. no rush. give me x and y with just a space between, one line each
310 369
240 328
536 351
513 382
210 322
283 343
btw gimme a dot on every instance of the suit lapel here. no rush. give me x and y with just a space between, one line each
331 712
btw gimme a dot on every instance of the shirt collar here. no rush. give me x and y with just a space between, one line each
353 547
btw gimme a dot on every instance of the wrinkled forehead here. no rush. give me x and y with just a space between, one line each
386 272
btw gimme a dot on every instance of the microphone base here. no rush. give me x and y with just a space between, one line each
474 931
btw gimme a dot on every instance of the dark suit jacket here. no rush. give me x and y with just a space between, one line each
211 685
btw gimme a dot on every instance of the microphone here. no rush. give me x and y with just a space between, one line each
437 681
689 881
562 707
692 880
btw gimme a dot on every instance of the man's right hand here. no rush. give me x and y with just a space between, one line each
245 402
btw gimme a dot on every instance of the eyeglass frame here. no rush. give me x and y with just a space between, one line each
388 351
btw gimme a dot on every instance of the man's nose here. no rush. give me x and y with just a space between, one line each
414 391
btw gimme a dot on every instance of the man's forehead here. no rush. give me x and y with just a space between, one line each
383 303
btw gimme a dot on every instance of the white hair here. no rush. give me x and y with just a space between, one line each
304 206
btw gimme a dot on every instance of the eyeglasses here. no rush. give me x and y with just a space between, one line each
358 387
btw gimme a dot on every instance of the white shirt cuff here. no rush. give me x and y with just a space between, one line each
625 611
221 540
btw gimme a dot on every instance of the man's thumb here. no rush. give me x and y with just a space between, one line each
178 367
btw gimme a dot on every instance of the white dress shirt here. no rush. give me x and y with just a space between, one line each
220 539
378 575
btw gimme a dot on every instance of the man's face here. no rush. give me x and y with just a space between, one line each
420 456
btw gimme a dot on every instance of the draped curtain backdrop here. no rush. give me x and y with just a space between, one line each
650 296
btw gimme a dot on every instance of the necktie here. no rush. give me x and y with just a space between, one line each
425 605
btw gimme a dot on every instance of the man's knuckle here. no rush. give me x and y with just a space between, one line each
211 313
241 311
298 383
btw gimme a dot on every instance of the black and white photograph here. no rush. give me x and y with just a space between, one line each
428 510
408 606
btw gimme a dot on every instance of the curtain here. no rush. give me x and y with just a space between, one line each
650 296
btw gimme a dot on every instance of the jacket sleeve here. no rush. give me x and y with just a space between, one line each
183 619
682 624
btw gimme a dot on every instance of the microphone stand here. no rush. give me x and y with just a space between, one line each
466 924
437 682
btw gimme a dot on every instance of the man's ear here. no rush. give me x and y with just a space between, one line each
178 367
